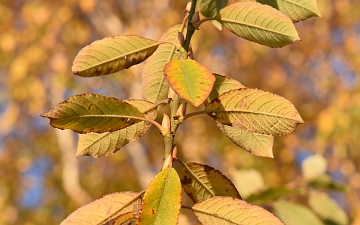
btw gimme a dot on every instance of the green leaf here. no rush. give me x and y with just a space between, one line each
327 208
161 202
201 182
325 182
256 111
296 10
107 143
259 23
295 214
93 113
155 86
190 80
228 210
256 144
271 194
211 8
223 84
112 54
122 206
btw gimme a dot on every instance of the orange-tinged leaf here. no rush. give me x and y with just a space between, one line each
112 54
190 80
161 202
201 182
228 210
121 206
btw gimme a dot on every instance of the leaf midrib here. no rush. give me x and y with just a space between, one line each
118 57
216 215
101 116
258 27
253 112
162 196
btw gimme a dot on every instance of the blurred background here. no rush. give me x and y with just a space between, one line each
41 180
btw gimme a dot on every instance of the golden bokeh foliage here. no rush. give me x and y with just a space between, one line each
41 181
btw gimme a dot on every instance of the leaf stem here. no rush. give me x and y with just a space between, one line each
187 116
186 207
190 28
175 102
197 24
162 102
146 120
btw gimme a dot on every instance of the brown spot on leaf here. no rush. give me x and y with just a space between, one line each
186 180
207 169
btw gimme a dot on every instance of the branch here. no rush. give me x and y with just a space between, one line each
190 28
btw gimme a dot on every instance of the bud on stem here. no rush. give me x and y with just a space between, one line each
166 123
188 7
180 39
195 18
171 93
181 110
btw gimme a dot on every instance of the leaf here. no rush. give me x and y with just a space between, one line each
327 208
223 84
256 144
155 86
256 111
325 182
190 80
122 205
313 167
216 24
107 143
161 202
93 113
211 8
112 54
295 214
296 10
201 182
259 23
271 194
123 219
228 210
247 181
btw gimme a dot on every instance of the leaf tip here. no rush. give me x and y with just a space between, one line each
45 115
75 72
300 120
